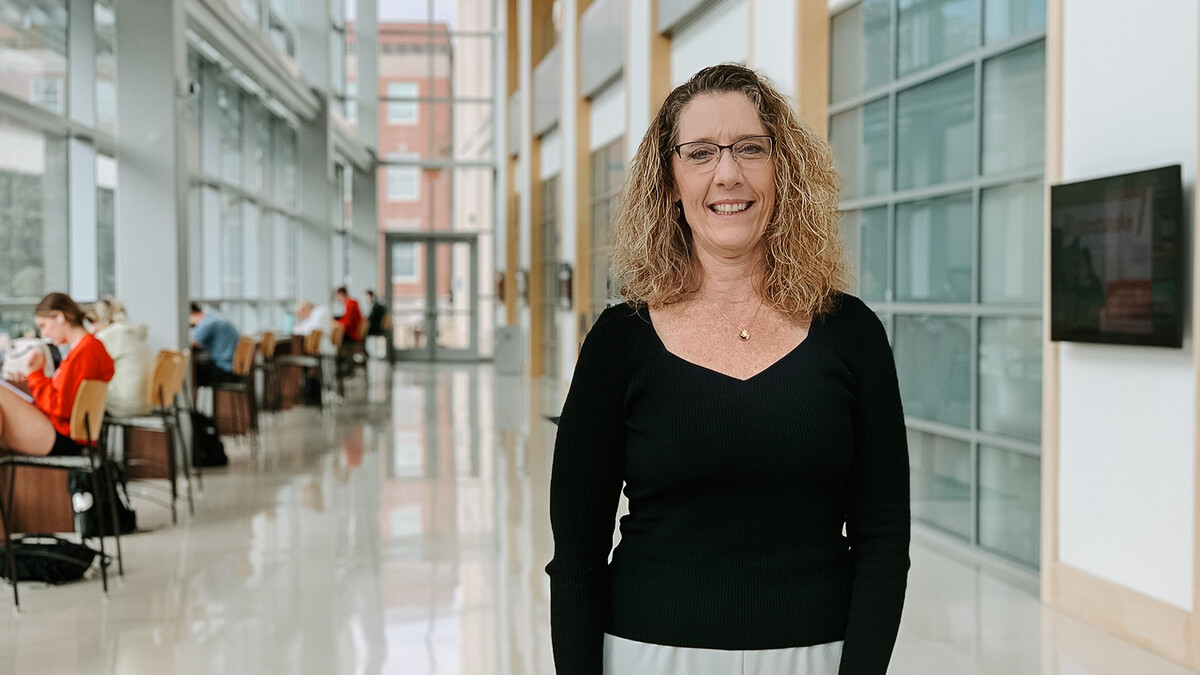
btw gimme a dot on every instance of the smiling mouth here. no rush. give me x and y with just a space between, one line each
726 209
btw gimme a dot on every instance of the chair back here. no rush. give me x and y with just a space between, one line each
312 343
266 344
87 414
166 378
363 327
339 332
243 356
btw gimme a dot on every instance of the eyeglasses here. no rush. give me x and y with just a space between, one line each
749 152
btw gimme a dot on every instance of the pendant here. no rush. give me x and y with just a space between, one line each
744 335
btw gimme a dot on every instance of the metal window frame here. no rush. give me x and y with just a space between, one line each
975 310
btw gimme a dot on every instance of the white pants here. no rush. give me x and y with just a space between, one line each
627 657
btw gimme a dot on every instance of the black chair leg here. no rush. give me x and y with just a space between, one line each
100 518
5 509
185 458
114 518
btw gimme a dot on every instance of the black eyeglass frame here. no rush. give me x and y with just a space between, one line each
770 151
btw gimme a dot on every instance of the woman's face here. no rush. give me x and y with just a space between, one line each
726 204
53 328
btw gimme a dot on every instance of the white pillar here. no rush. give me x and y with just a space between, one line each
151 230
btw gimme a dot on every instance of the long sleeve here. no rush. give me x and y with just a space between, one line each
585 489
55 396
878 492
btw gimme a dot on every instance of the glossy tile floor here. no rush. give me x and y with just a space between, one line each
406 532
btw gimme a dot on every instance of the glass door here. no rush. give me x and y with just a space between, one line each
431 294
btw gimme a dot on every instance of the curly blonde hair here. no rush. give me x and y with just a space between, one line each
805 262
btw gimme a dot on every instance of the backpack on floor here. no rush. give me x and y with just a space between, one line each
88 509
207 448
45 557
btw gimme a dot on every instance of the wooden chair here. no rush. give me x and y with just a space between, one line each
331 364
166 381
266 356
87 424
243 387
309 362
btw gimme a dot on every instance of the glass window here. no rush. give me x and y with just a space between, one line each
1003 19
229 124
861 45
337 62
936 131
33 215
404 262
251 265
1010 495
402 112
350 105
286 251
403 183
940 479
865 233
106 66
933 362
1010 257
253 10
1014 110
608 173
33 52
285 163
934 249
1010 377
281 36
231 246
259 147
106 254
932 31
860 141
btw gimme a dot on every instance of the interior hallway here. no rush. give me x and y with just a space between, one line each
406 531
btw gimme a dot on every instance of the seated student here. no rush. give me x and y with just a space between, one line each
126 344
351 316
43 426
218 338
311 317
375 316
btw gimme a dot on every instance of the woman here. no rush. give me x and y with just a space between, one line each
747 404
132 361
44 426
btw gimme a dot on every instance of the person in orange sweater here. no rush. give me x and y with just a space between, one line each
43 426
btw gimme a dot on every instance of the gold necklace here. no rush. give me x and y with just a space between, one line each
743 333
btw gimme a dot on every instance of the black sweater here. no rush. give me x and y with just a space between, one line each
738 492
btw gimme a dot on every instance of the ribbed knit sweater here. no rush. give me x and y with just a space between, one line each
738 492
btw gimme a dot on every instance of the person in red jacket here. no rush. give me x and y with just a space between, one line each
43 426
351 318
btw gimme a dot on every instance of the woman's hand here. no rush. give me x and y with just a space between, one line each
35 361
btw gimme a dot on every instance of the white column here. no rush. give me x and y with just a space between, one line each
638 69
151 214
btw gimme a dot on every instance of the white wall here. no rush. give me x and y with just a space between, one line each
719 36
775 42
1127 422
607 116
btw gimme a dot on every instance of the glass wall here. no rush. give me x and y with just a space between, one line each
35 197
436 129
242 241
608 173
936 117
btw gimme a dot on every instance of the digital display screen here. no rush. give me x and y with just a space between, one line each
1116 259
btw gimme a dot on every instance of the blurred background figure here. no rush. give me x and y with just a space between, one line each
126 344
